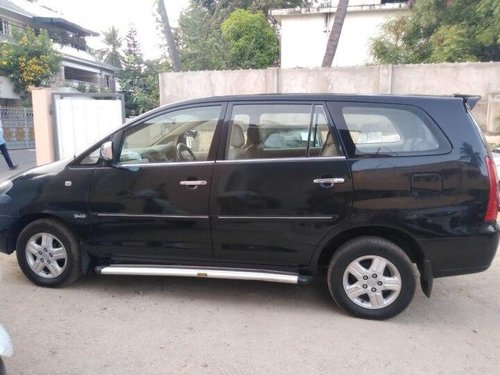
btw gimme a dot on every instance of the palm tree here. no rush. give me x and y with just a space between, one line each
173 52
333 39
111 54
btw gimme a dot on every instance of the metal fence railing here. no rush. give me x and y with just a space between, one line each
18 128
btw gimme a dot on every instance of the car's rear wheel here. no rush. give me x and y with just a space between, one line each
48 253
371 277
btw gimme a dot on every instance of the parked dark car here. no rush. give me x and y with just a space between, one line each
357 191
496 160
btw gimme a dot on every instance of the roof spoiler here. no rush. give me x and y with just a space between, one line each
470 101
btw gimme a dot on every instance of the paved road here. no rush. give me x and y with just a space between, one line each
25 159
130 325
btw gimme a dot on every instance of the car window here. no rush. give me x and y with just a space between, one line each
182 135
262 131
392 131
92 157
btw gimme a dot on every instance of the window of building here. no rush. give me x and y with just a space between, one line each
4 26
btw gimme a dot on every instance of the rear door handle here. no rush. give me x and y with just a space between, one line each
329 181
193 184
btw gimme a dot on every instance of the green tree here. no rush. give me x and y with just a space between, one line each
441 31
29 60
139 78
220 9
201 44
111 54
252 41
147 92
131 73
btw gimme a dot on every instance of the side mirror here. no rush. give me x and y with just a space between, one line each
107 151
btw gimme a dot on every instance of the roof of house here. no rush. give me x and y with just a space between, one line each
44 16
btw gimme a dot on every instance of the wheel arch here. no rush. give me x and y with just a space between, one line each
30 218
409 245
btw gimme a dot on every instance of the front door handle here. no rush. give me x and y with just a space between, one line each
329 181
193 184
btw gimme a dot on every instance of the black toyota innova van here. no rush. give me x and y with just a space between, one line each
361 192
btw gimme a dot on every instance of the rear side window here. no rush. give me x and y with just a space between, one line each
389 130
275 130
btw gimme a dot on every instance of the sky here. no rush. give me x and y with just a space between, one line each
100 15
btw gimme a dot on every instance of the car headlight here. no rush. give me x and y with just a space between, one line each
5 187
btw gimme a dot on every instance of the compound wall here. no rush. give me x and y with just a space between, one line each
434 79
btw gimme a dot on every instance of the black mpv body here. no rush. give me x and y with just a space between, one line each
354 190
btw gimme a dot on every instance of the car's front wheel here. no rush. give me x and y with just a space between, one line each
371 277
48 253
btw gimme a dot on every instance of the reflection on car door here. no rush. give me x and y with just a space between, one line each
154 203
272 202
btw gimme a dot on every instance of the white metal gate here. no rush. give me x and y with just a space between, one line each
83 119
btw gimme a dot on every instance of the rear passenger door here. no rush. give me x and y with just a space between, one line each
281 183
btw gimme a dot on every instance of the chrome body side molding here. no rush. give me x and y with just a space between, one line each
205 272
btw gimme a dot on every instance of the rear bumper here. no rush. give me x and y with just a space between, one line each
462 255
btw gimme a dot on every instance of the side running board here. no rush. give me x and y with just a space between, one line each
208 272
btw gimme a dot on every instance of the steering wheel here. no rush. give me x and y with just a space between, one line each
185 153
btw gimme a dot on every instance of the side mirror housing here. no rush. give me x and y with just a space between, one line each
107 151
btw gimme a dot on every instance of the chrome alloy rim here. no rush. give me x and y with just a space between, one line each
46 255
372 282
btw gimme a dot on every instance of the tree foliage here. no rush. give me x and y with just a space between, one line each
112 54
219 10
251 40
204 46
138 78
441 31
201 44
29 60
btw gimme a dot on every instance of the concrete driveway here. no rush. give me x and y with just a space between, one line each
130 325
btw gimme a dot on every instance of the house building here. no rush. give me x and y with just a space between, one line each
80 68
304 32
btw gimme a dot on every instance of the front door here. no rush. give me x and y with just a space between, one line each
283 184
153 203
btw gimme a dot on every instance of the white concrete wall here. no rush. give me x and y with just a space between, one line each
304 34
304 37
432 79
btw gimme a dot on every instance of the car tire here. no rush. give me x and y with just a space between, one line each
371 277
49 253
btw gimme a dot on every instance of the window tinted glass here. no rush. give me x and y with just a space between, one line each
92 157
323 143
392 131
262 131
183 135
